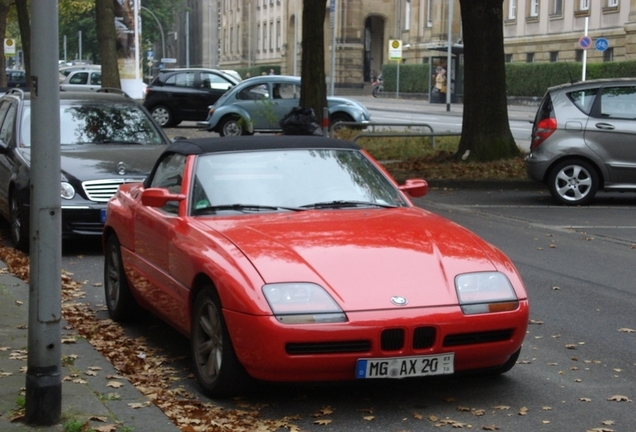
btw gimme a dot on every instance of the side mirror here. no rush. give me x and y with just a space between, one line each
415 187
159 197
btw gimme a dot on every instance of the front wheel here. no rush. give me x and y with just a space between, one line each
216 366
376 90
120 302
17 221
573 182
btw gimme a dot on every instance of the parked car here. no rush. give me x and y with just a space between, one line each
258 104
286 259
584 140
106 140
182 94
82 80
66 70
16 78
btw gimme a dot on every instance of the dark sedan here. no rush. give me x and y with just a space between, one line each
106 140
185 94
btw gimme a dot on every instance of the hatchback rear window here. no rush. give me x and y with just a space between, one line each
583 99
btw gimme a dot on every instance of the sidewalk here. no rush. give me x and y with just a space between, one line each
86 374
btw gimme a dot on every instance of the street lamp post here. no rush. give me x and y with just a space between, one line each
163 41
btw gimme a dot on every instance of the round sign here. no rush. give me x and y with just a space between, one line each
395 44
601 44
585 42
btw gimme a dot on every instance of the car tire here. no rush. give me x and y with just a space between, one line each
163 116
17 222
120 302
231 126
218 370
573 182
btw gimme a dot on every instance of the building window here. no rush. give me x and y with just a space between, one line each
529 57
554 56
407 16
584 5
508 58
429 13
264 37
238 38
534 8
608 55
278 41
258 37
578 55
512 9
271 36
231 40
612 3
557 7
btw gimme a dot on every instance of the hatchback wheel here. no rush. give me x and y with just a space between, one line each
162 115
216 366
573 182
120 302
17 221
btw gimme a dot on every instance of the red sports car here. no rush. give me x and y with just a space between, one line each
298 258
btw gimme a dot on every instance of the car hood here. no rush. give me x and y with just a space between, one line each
101 161
363 257
334 101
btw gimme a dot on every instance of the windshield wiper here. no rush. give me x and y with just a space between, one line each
345 204
245 208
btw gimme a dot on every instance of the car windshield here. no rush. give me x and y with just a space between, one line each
298 179
113 123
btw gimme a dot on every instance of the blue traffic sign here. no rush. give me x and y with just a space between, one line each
585 42
601 44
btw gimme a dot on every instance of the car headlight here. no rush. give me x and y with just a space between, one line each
485 292
68 191
302 303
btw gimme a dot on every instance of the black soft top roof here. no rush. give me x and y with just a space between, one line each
260 142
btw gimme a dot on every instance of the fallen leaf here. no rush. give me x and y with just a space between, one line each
584 399
626 330
523 411
608 422
369 418
114 384
322 422
619 398
570 346
490 428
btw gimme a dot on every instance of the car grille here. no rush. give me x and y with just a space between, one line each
477 338
102 190
328 347
390 340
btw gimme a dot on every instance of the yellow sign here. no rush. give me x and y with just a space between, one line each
9 46
395 49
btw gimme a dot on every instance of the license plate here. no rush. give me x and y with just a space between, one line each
404 367
102 215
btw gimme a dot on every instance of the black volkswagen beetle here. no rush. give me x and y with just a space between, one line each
107 139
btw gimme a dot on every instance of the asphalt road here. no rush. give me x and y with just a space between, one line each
577 369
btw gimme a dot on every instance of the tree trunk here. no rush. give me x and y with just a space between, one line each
4 11
24 22
107 40
486 131
313 90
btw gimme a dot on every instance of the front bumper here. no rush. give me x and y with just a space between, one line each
273 351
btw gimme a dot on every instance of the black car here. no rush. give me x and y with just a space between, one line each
182 94
107 139
16 78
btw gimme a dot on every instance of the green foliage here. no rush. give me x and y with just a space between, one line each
76 425
258 70
522 79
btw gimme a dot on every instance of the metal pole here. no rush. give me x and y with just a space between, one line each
585 51
79 39
187 39
163 40
136 35
44 378
295 37
449 58
332 23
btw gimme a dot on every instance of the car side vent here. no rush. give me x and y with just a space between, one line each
423 337
392 339
477 338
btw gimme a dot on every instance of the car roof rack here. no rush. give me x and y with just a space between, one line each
16 91
112 90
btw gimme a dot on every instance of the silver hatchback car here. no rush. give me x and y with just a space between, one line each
584 139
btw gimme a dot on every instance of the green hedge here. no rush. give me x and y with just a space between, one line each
523 79
258 70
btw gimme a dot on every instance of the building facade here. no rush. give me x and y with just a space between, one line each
232 34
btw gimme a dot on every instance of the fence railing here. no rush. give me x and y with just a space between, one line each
385 130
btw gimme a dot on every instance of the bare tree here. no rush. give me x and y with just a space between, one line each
4 11
107 40
313 88
24 22
486 131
